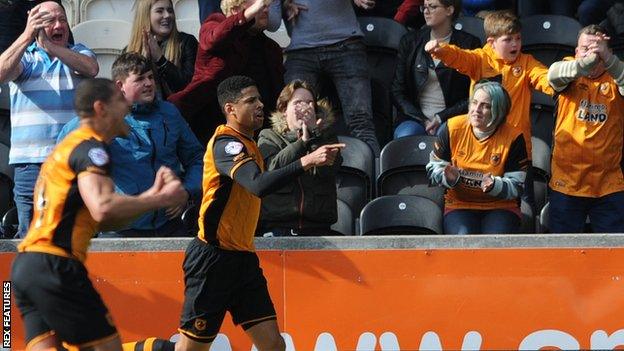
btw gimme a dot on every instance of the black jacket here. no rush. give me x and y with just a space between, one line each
176 78
412 72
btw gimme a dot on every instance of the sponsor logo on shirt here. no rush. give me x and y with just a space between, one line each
471 179
593 113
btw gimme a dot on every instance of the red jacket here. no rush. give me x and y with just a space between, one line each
224 51
409 9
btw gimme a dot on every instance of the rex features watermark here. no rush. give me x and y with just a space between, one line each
6 314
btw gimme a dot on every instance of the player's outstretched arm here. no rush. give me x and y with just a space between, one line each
259 183
112 210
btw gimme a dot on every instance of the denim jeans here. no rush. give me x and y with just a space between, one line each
25 178
346 64
568 213
409 128
481 222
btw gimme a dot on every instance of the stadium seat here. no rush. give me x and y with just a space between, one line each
344 224
549 38
107 10
382 37
5 115
355 177
527 222
541 156
381 32
401 214
5 168
540 189
189 26
186 10
5 96
6 194
189 219
542 117
106 38
9 223
472 25
543 219
70 11
402 169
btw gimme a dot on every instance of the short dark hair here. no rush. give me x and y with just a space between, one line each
128 63
457 7
230 90
91 90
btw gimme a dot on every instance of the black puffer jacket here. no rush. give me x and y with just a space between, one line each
412 72
309 201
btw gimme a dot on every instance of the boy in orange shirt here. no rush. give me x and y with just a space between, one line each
501 60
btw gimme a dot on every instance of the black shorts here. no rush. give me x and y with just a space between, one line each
54 295
217 281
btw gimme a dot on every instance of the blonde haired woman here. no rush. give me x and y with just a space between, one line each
155 35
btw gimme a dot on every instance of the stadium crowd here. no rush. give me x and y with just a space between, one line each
469 98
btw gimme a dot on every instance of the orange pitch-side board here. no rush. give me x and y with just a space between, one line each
415 299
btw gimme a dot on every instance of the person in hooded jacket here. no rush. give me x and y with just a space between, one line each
307 205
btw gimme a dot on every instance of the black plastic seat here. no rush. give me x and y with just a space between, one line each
541 155
381 32
5 168
344 224
544 218
189 219
471 25
542 119
402 169
9 223
355 177
549 38
401 214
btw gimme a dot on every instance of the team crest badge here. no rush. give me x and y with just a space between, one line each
495 159
98 156
516 71
604 88
233 148
200 324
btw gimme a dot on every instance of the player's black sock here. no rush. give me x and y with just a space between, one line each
149 344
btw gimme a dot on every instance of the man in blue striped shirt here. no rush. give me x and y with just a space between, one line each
43 75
